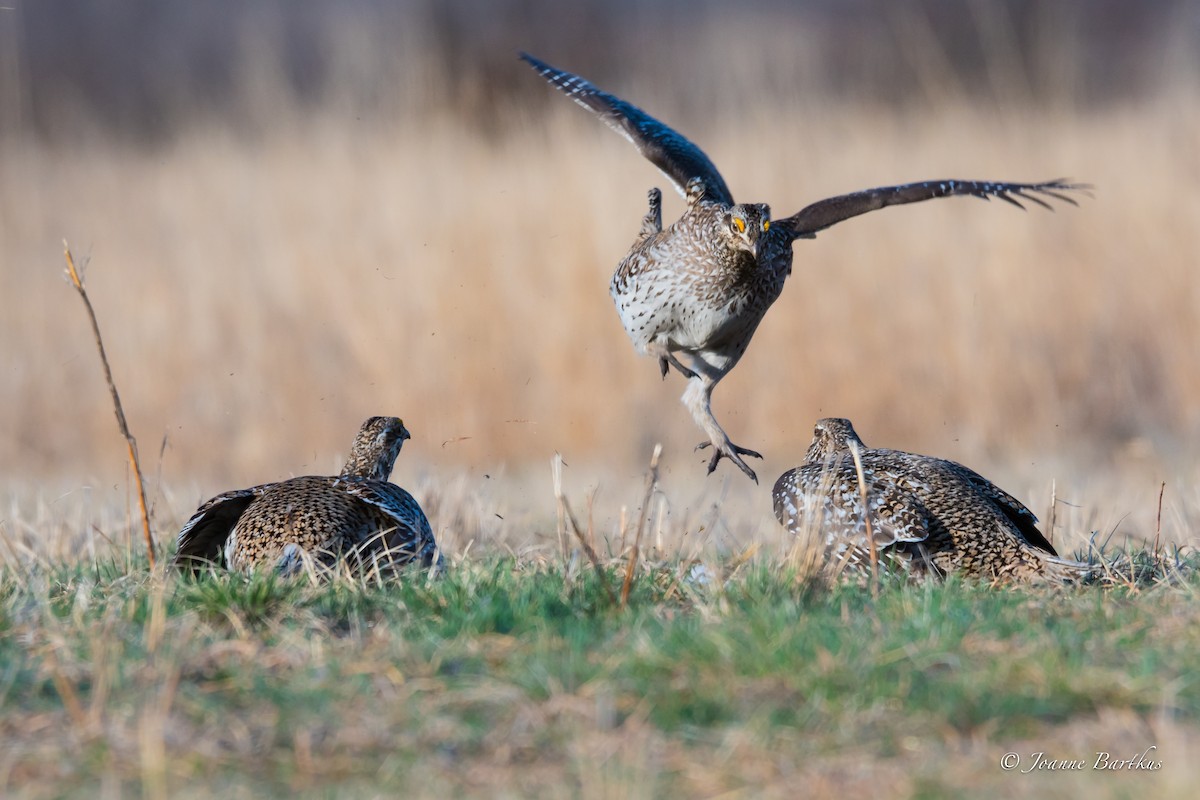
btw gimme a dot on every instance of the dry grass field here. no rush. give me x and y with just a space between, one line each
264 285
261 297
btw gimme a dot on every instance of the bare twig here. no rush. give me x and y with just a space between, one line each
1053 511
564 510
1158 519
591 523
651 482
862 490
561 526
659 521
77 282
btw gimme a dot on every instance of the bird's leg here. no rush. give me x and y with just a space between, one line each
698 400
675 362
667 359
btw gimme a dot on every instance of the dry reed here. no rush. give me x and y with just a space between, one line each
77 281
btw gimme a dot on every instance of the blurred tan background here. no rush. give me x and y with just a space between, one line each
302 213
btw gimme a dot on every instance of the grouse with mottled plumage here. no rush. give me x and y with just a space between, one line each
357 515
926 515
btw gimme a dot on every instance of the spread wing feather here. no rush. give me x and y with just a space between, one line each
824 213
666 148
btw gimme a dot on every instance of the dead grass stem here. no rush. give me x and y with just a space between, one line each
77 281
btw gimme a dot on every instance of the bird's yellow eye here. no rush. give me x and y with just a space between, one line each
741 226
766 224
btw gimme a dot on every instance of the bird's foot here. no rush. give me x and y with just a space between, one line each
734 454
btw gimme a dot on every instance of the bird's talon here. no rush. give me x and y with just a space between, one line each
733 454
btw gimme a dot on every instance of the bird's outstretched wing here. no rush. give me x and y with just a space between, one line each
202 538
824 213
671 152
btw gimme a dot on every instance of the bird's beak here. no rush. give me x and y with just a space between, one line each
759 243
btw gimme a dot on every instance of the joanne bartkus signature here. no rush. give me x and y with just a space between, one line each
1041 762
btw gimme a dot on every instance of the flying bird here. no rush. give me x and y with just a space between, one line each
700 287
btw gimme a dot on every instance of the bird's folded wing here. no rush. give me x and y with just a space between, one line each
202 538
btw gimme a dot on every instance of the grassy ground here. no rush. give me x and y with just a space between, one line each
523 677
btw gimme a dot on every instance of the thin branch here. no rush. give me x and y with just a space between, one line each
1053 511
561 526
1158 519
565 511
77 282
862 490
651 482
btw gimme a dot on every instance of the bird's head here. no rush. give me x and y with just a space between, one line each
746 225
832 436
376 448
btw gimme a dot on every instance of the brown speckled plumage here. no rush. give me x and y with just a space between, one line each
927 514
357 515
701 286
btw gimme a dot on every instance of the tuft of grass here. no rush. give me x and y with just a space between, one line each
1134 567
245 601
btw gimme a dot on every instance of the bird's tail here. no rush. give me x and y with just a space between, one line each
1064 570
